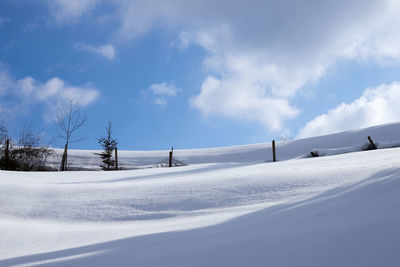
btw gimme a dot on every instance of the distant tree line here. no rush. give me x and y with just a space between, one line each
27 152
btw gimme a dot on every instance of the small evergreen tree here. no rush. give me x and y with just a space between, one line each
109 144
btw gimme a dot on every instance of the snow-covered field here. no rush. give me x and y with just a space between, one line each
229 207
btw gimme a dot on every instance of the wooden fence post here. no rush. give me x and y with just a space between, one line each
7 154
116 158
170 156
371 143
273 151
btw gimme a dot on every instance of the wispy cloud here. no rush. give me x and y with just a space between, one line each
4 20
53 93
107 51
376 106
261 55
161 101
162 91
69 11
6 82
166 89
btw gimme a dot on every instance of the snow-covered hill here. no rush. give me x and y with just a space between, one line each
229 207
387 135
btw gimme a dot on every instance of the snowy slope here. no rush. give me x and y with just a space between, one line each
227 208
384 135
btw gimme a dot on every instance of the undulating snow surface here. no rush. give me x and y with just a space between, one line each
228 207
383 135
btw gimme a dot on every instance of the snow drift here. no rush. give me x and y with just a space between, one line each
229 207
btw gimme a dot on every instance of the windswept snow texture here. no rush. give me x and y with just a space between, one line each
228 207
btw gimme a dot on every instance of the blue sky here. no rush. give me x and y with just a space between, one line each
196 74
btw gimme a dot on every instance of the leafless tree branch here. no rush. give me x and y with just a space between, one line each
69 121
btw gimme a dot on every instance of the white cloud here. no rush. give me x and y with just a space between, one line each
260 53
107 51
161 101
166 89
376 106
226 97
70 11
53 94
162 91
55 90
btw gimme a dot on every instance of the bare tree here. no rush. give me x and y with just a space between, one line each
25 154
3 131
29 153
69 121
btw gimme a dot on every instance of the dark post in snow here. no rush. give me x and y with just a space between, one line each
116 158
371 143
64 159
170 156
273 151
7 154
